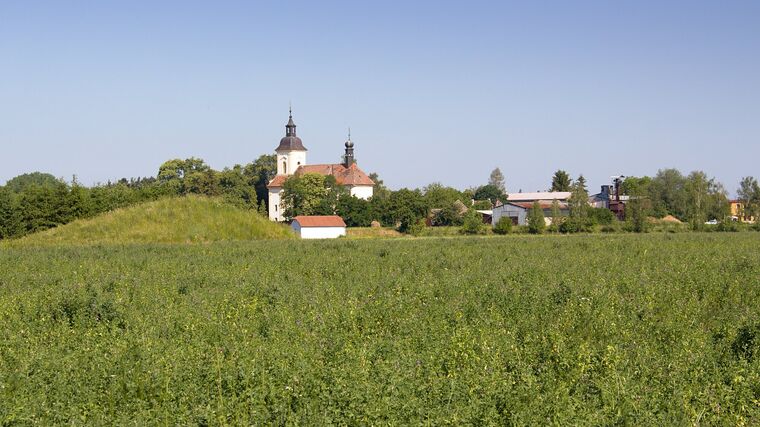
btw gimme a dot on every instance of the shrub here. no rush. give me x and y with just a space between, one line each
503 226
473 223
728 226
601 216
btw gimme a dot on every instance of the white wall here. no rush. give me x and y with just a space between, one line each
275 208
318 232
293 159
362 191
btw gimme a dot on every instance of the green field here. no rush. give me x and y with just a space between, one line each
659 329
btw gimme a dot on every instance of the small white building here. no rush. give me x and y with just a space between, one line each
319 226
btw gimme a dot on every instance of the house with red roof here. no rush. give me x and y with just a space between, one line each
291 160
319 226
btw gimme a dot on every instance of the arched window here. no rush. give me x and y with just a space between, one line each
284 167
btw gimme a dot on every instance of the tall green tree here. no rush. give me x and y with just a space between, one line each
10 214
581 181
303 194
556 217
536 221
497 180
749 195
666 192
578 218
490 192
236 187
259 173
439 196
705 199
21 182
379 190
561 181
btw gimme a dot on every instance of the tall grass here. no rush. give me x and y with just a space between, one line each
190 219
658 329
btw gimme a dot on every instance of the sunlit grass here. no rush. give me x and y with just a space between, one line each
190 219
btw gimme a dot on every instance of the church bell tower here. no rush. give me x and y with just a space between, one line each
290 153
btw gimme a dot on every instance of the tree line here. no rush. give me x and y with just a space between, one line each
37 201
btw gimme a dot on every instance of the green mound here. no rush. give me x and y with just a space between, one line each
190 219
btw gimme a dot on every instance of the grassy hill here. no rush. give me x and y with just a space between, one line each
190 219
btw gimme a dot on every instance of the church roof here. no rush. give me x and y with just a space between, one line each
351 175
290 141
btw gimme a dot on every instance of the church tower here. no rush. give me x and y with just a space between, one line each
290 153
348 158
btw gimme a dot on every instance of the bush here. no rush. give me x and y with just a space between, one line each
575 225
601 216
416 228
728 226
473 223
503 226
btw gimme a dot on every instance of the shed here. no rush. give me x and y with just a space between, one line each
319 226
518 212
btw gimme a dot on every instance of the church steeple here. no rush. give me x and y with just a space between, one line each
348 158
290 128
290 141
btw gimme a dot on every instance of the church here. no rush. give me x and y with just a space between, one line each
291 160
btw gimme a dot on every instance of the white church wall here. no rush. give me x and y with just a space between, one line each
289 161
362 191
275 209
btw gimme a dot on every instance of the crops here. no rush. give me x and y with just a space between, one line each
583 330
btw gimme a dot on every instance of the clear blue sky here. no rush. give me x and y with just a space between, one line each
437 91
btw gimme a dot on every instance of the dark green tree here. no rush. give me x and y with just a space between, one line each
259 173
536 221
379 191
490 192
749 195
354 211
21 182
556 215
303 194
561 181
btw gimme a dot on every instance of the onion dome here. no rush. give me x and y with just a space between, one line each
290 141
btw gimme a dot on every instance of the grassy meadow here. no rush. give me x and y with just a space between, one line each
659 329
187 219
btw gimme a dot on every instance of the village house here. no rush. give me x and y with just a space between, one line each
738 213
319 226
291 160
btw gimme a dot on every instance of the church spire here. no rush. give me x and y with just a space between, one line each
290 128
348 158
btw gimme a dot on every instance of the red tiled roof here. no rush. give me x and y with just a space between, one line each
351 175
277 181
320 221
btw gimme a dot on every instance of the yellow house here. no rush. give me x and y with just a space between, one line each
737 211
